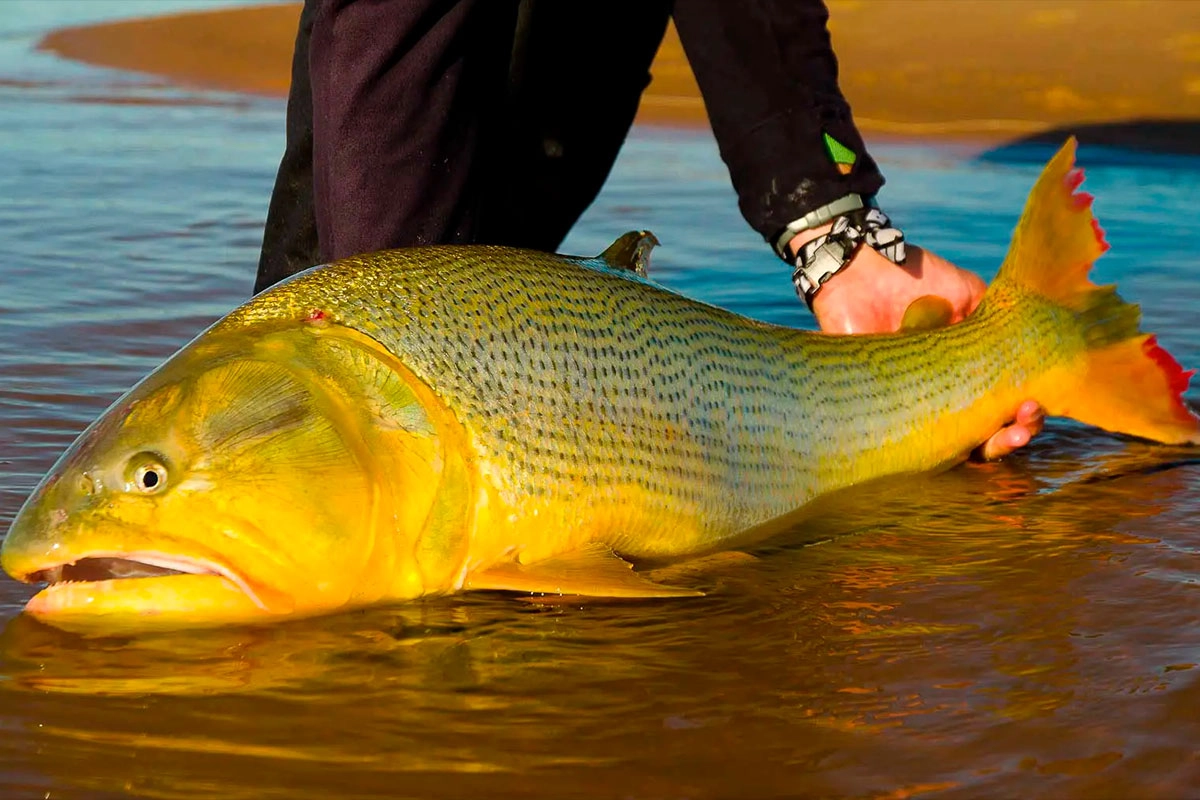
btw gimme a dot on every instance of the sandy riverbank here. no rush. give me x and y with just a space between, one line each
977 69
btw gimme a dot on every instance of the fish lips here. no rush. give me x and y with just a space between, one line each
143 588
93 574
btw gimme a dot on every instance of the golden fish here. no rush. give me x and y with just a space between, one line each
438 419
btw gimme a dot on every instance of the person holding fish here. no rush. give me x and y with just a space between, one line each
465 121
424 421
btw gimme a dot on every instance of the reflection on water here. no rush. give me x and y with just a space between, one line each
1016 629
1007 629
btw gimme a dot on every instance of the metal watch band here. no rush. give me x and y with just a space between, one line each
825 256
818 217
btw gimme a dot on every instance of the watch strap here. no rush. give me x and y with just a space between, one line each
820 259
818 217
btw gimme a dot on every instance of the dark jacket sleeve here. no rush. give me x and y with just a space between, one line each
768 76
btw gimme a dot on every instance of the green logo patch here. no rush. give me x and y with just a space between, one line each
841 155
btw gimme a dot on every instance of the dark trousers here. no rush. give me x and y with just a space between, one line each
496 121
452 121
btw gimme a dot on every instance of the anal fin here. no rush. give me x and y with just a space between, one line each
594 571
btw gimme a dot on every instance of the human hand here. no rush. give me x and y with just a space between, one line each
871 294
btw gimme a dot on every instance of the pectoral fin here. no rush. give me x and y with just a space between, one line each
926 313
594 571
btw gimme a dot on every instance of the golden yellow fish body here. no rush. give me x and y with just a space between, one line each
597 406
434 419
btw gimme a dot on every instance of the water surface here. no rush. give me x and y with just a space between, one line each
1027 628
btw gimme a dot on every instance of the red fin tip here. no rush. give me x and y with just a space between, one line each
1073 179
1177 378
1100 240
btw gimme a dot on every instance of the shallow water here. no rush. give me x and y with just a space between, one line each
1027 628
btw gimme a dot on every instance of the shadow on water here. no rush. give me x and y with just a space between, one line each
1149 142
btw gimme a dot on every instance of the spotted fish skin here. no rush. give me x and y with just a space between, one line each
593 394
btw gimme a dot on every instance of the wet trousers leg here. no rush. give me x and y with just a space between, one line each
461 121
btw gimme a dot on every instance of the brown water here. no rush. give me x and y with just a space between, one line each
1027 628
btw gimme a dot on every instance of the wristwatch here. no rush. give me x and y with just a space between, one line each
856 220
816 218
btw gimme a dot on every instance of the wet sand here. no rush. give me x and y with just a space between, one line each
974 69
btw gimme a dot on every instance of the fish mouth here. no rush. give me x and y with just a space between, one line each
152 587
96 569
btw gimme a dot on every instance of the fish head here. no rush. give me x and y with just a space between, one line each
259 473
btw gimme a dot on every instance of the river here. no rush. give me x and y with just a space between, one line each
1022 628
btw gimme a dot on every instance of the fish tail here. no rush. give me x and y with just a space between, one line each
1121 380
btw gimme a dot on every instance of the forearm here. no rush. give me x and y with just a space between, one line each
768 75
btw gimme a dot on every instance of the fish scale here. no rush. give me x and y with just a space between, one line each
573 376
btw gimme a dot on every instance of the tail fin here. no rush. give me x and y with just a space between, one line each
1129 383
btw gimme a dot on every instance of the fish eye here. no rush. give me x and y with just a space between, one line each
149 474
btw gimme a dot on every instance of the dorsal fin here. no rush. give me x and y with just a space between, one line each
631 252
